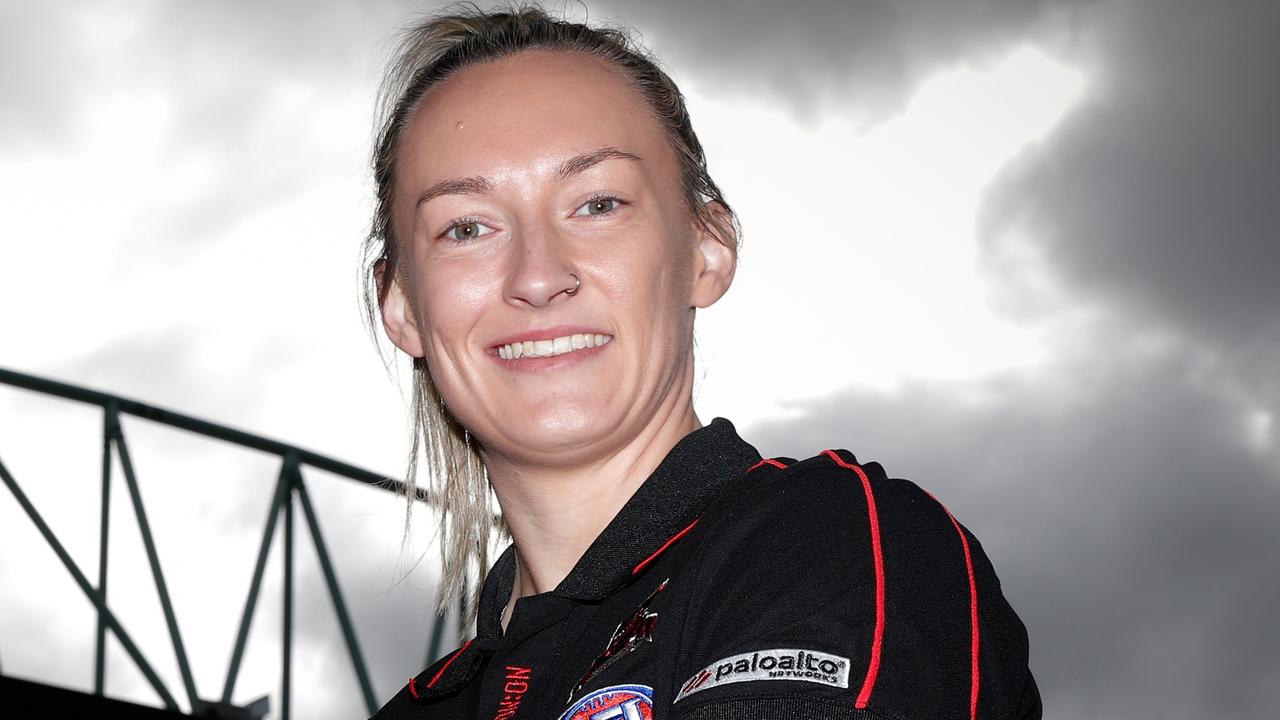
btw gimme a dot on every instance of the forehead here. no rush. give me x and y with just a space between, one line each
529 110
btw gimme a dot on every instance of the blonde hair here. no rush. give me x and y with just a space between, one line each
429 52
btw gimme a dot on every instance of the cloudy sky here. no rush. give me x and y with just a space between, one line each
1026 254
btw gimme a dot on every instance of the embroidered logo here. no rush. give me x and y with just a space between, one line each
780 664
627 637
517 684
619 702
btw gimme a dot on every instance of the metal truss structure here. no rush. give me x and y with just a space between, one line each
290 490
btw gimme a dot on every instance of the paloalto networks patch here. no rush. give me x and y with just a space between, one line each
779 664
617 702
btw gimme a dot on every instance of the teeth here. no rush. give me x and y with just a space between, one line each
552 347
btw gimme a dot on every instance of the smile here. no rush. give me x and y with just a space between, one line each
552 347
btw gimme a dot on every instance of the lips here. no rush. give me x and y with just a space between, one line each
552 346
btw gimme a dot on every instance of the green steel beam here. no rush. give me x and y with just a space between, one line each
110 425
125 641
251 601
286 660
335 594
166 605
206 428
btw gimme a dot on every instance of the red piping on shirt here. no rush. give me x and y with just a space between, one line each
873 668
446 665
645 562
973 612
768 461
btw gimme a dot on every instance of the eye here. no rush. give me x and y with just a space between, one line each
464 230
601 205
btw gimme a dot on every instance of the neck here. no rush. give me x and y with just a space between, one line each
556 512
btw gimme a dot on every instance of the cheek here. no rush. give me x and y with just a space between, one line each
640 279
655 278
675 267
452 298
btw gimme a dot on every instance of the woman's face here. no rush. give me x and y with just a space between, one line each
517 179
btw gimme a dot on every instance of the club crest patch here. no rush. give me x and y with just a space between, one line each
627 637
780 664
618 702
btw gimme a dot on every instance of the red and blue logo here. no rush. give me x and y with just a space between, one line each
619 702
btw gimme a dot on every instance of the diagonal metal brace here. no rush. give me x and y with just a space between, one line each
188 682
125 641
251 600
339 607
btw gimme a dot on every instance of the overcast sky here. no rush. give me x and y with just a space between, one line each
1026 254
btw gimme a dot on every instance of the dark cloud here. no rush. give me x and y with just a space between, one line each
1130 522
857 58
1158 194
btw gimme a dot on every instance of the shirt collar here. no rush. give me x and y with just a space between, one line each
672 497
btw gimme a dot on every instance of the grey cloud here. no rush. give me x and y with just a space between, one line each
1159 193
815 56
162 365
1132 526
40 82
217 70
128 366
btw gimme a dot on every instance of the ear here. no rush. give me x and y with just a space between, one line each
397 315
715 257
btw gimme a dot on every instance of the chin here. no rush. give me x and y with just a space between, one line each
569 430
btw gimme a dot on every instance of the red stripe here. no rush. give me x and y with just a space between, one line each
413 688
768 461
973 613
873 668
449 662
643 563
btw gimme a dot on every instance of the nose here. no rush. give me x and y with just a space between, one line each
541 269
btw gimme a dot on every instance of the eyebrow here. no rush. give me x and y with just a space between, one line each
461 186
582 163
478 185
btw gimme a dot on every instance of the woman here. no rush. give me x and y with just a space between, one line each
546 229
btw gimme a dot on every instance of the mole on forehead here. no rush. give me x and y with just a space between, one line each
458 126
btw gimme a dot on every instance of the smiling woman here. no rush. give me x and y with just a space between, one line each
546 229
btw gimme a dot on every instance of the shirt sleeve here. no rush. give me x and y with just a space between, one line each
826 589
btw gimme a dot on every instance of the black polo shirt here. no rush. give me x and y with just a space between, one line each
730 586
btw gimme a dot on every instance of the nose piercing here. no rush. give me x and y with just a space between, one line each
577 284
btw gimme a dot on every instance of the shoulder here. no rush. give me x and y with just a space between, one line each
832 556
830 526
834 508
